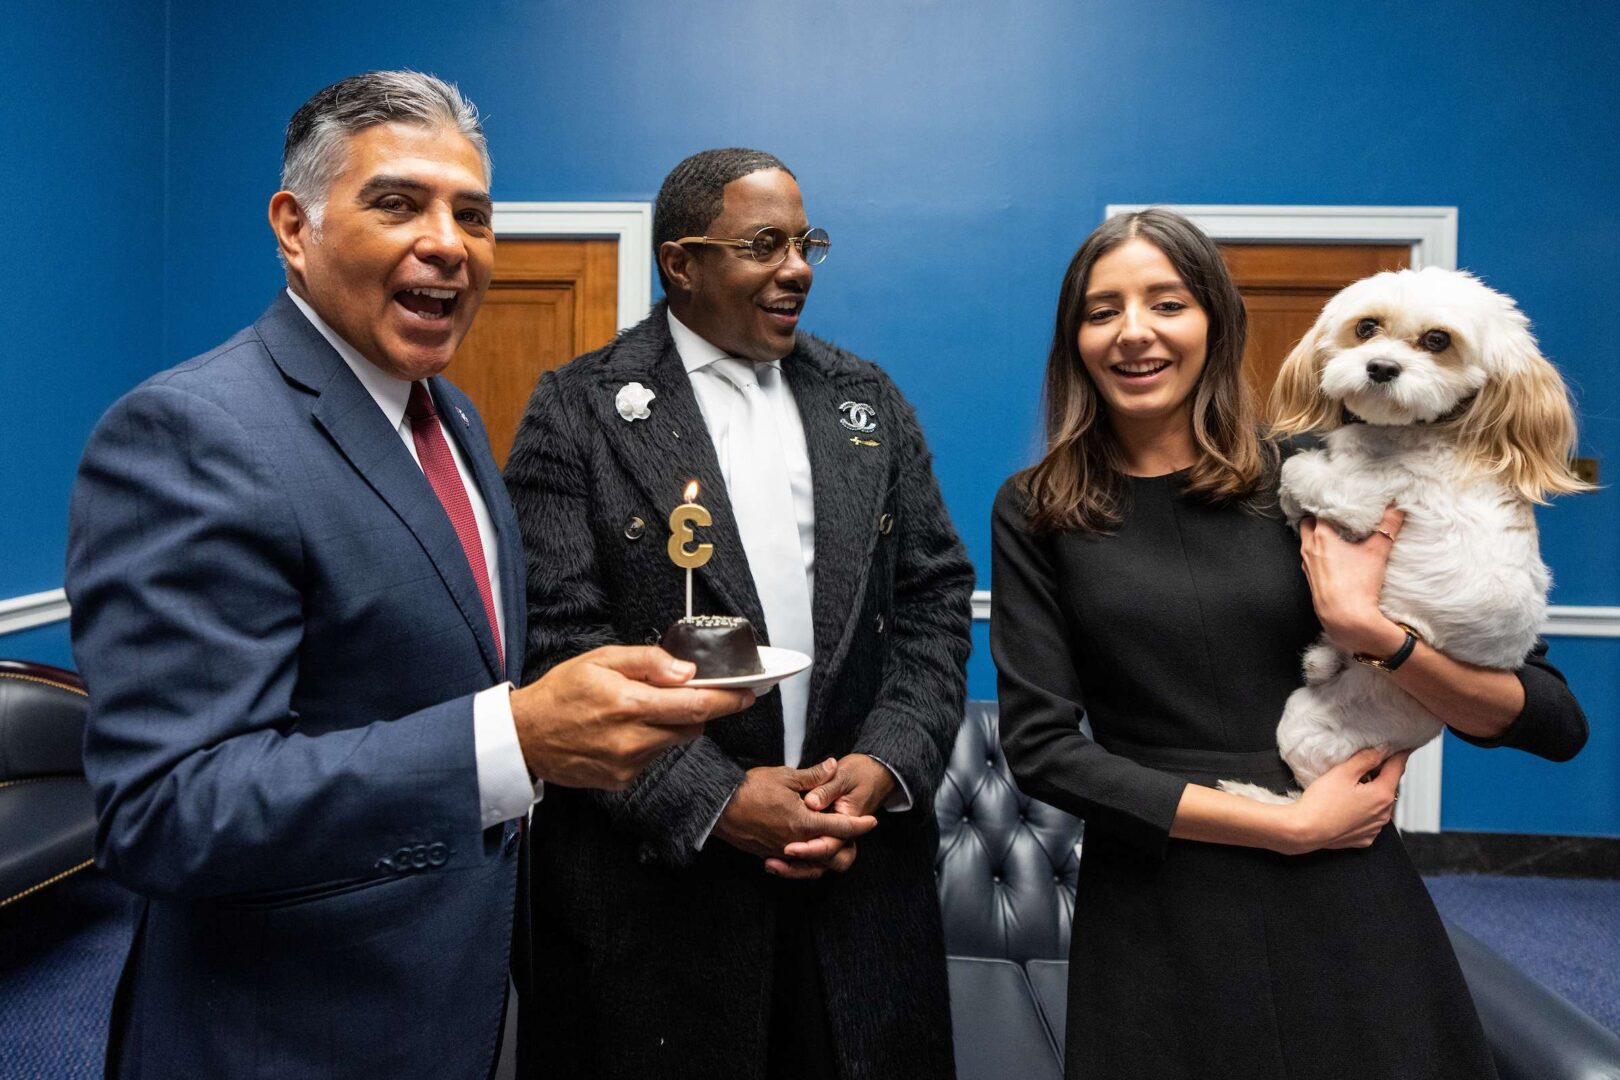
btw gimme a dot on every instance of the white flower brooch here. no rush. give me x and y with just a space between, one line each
632 401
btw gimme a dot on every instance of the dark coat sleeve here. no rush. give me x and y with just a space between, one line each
913 723
1551 724
672 804
184 568
1042 703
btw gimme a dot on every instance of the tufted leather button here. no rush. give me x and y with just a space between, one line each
886 524
634 528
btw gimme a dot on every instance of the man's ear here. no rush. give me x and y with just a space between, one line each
680 266
292 228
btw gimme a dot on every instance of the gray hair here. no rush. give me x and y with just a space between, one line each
316 150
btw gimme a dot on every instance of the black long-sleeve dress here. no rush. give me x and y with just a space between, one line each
1179 636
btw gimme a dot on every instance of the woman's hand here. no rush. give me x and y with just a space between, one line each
1346 579
1341 810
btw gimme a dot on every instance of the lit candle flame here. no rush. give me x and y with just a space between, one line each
690 495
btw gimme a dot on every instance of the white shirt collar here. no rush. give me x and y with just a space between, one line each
390 393
697 352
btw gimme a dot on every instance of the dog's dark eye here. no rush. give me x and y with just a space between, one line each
1435 340
1366 328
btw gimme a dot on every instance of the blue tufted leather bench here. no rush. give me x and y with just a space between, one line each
47 818
1007 867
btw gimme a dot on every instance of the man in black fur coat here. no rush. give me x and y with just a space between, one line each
734 915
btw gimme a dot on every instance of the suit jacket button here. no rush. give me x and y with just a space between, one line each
886 524
634 528
438 854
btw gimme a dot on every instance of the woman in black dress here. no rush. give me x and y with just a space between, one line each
1144 583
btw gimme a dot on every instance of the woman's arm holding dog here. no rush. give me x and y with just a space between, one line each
1531 709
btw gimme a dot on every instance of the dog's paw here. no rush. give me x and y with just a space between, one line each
1355 524
1321 663
1257 793
1294 510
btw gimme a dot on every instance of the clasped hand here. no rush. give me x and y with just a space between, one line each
804 822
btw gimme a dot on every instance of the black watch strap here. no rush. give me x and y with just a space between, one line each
1394 659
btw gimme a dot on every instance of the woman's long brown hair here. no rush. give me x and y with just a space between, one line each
1081 482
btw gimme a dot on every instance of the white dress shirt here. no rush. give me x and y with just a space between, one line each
707 368
716 381
504 789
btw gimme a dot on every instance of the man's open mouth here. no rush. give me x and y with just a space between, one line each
787 308
428 303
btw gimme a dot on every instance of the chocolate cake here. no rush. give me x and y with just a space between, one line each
720 645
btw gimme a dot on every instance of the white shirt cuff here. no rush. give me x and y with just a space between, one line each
899 800
704 839
504 790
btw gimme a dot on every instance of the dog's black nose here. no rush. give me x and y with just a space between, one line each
1381 371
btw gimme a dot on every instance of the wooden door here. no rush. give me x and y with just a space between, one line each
549 301
1284 287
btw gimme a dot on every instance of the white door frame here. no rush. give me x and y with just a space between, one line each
1431 231
630 223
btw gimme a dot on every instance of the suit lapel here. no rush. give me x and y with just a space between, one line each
345 410
850 473
671 448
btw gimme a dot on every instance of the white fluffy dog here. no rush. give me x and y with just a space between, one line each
1431 396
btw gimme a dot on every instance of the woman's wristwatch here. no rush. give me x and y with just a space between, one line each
1394 659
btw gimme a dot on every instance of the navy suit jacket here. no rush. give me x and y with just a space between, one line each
282 639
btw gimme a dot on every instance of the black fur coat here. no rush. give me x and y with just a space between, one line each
653 959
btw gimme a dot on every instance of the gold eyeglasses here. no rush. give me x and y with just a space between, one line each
770 245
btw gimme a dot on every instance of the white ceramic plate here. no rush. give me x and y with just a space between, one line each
779 664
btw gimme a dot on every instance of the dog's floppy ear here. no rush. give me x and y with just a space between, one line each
1521 423
1297 404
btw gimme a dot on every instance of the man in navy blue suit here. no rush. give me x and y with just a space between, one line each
297 590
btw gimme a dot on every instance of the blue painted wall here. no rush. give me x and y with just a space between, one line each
958 152
81 124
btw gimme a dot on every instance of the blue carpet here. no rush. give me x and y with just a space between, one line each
60 953
1562 932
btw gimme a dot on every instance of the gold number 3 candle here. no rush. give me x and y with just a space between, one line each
683 550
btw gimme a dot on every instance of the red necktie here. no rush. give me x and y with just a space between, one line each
434 454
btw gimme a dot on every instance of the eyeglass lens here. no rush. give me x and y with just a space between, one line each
770 245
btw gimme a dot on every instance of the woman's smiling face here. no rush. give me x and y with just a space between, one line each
1143 335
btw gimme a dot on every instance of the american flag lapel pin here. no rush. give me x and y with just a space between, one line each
464 421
